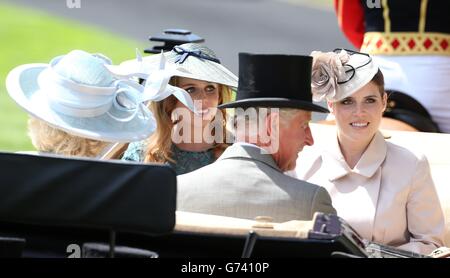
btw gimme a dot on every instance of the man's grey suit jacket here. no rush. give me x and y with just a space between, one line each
246 183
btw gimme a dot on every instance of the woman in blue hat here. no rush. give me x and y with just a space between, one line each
78 107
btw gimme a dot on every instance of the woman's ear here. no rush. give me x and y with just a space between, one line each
384 100
330 106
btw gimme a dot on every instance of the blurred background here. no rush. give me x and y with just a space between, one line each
35 31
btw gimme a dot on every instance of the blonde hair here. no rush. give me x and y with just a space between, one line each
159 144
46 138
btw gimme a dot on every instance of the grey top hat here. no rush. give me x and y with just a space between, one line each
274 80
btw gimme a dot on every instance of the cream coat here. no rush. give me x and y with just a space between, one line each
389 197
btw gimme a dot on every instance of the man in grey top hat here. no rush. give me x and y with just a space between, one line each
273 109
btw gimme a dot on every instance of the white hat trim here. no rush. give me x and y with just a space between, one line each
157 87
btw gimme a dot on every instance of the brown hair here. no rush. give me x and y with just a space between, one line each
159 144
378 79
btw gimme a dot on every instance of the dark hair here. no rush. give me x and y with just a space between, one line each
378 79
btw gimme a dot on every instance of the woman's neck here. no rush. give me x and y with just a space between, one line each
352 150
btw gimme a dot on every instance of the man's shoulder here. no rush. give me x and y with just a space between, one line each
213 171
302 183
244 169
223 167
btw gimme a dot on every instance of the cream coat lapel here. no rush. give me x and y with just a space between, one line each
355 191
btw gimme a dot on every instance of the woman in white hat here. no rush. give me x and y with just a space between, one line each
381 189
77 107
185 109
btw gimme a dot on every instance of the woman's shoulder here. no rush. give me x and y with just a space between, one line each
404 154
410 162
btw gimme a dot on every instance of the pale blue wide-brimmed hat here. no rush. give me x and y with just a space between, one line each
77 94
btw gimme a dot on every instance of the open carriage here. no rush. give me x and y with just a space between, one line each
63 207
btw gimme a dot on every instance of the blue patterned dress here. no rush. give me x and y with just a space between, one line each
185 161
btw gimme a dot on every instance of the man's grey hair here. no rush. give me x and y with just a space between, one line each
287 114
253 114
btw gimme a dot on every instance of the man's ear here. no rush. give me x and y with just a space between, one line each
272 123
271 118
268 123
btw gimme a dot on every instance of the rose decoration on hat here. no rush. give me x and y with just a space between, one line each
327 69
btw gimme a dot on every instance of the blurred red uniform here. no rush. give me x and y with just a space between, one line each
410 41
